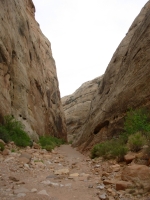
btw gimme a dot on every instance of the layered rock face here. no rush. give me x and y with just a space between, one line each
77 107
28 80
125 85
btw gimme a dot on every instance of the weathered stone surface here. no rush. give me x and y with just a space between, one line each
122 185
125 85
139 174
77 106
129 157
24 160
61 171
6 152
28 80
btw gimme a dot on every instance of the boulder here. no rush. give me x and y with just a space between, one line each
138 174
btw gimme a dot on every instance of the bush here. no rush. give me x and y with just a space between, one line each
2 147
4 134
137 131
110 149
136 141
137 120
50 142
13 130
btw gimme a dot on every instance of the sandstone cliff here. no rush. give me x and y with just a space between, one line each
125 85
77 107
28 80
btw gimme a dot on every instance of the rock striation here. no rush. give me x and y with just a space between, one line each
28 79
77 106
125 84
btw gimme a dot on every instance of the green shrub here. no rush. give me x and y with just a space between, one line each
137 120
119 151
136 141
110 149
2 147
13 130
20 137
136 132
50 142
99 150
4 134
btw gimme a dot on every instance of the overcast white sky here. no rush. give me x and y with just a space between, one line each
84 34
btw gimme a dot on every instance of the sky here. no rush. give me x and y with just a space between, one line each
84 34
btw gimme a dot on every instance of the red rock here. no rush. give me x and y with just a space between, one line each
24 160
129 158
138 174
115 168
108 182
122 185
6 152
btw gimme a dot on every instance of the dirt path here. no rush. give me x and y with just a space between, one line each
64 174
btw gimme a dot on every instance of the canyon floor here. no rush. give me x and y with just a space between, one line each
63 174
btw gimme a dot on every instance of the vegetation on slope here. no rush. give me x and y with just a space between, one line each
50 142
13 130
136 134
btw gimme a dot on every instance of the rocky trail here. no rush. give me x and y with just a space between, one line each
63 174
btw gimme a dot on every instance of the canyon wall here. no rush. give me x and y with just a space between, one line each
125 85
77 106
28 81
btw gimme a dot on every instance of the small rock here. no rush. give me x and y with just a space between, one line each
24 160
34 190
102 196
122 185
129 158
13 179
5 152
61 171
43 192
74 175
108 182
26 166
21 195
26 155
47 182
115 168
51 176
97 166
9 159
36 146
100 187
